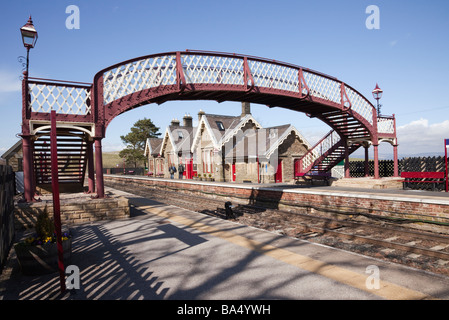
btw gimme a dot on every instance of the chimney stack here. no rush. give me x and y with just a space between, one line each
175 123
187 121
200 114
246 109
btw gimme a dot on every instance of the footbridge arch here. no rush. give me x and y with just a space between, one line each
205 75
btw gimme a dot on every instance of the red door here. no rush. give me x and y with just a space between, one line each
278 174
233 172
297 168
189 168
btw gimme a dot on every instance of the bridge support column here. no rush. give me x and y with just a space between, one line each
99 168
347 171
33 171
27 168
366 161
396 161
90 167
376 162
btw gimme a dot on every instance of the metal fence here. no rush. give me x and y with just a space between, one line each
6 212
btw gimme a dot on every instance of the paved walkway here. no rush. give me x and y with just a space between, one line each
164 252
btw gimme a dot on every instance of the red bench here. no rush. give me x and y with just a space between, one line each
418 177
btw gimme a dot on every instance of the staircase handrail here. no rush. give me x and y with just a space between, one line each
320 148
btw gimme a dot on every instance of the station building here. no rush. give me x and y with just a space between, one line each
227 148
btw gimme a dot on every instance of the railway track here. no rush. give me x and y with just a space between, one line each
381 239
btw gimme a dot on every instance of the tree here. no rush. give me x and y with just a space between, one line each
136 139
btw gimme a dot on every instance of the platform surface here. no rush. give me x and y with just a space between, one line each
164 252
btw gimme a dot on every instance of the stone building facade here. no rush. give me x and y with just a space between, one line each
14 156
155 160
231 148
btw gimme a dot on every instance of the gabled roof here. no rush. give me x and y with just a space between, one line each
221 128
180 138
266 141
15 148
153 146
281 133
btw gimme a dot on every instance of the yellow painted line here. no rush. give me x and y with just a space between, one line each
386 290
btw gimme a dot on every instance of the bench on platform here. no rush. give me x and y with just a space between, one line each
311 176
423 177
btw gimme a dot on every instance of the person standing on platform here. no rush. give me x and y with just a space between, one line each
181 170
172 171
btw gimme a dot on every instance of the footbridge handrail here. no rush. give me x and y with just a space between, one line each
322 147
187 69
65 97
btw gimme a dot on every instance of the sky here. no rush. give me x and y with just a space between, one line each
407 55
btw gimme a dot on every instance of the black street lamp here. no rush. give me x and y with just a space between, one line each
29 38
377 94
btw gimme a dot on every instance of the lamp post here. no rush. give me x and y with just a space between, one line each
29 38
377 94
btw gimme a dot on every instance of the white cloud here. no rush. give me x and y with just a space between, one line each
9 82
421 137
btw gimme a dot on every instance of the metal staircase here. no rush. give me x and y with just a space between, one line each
330 150
72 158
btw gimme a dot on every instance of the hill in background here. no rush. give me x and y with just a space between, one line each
113 160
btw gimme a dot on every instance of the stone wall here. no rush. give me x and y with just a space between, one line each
75 211
432 213
292 148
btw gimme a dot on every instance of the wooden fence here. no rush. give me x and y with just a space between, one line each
357 168
424 164
7 212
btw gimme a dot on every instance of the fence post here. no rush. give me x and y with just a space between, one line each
56 204
376 162
446 145
396 161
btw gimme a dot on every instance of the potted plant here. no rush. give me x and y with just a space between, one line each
38 254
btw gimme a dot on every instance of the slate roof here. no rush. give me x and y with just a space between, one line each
153 146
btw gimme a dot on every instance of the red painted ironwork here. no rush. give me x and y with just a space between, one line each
99 168
423 175
56 204
446 145
205 75
90 167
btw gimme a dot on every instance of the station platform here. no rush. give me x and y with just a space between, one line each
427 210
341 189
164 252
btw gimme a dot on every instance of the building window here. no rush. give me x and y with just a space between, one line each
20 164
220 125
207 156
171 159
273 133
180 135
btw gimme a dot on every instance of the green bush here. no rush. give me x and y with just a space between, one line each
44 225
